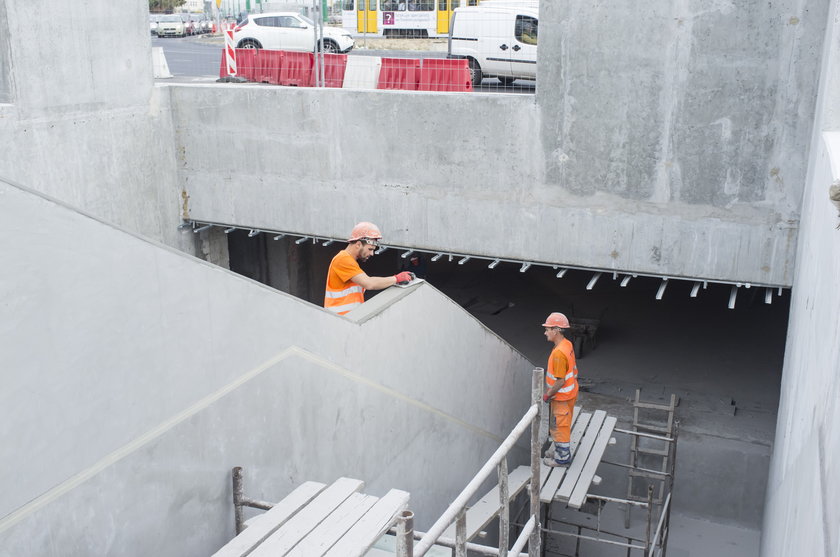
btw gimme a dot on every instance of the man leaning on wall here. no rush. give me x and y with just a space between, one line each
346 282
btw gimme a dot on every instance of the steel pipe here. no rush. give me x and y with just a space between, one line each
662 287
593 280
524 535
405 534
733 293
694 289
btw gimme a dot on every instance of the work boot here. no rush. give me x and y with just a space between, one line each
554 463
563 454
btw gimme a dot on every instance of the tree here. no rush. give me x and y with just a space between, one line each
165 5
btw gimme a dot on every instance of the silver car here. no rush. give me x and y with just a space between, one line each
172 25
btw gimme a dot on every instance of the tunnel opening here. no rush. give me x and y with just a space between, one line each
724 365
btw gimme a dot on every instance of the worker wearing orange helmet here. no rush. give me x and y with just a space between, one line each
561 388
346 282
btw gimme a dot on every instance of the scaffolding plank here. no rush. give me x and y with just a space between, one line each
480 514
372 526
573 473
263 525
297 527
334 526
552 482
593 460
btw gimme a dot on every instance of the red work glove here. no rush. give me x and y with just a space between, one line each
546 398
404 278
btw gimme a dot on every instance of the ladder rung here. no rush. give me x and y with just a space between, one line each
658 452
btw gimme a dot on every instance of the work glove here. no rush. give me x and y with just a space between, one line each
546 398
404 277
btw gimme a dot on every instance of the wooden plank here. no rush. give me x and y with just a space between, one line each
587 475
549 488
573 473
372 526
480 514
262 526
319 540
297 527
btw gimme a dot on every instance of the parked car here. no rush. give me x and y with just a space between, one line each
288 31
153 23
172 25
498 39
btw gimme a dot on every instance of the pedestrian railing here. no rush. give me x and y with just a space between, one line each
457 511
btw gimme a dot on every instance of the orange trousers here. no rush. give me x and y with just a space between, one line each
560 421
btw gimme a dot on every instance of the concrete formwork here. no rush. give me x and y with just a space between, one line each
137 377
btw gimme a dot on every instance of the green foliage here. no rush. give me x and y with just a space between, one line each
165 5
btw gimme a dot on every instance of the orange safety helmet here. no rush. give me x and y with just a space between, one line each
365 230
557 320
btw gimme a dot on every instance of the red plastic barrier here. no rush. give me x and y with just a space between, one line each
441 74
334 68
246 63
296 68
283 67
269 65
399 73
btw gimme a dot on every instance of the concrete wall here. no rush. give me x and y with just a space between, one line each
81 120
669 139
135 378
801 512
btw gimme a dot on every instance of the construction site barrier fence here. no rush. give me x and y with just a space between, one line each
298 69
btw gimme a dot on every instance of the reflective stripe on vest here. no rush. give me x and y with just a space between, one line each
570 386
342 301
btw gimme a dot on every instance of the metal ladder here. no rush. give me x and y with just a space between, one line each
650 458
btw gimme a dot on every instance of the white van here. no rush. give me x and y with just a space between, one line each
499 39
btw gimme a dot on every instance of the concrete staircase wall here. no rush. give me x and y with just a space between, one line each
135 378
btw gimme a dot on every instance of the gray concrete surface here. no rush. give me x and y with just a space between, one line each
81 120
622 156
802 515
135 382
615 150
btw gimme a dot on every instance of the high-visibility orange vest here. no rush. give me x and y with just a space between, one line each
342 294
569 390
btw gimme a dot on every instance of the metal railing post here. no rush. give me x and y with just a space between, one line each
461 534
405 534
237 499
504 510
534 549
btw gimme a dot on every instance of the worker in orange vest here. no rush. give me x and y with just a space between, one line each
561 389
346 282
